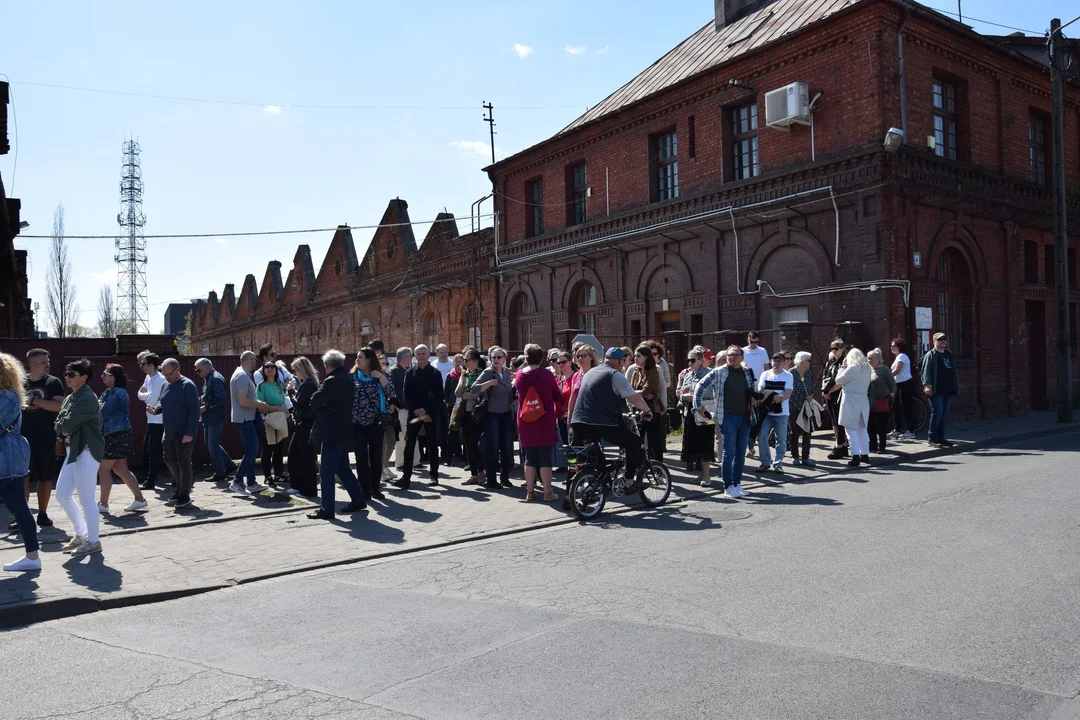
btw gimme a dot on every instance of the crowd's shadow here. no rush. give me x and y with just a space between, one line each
93 574
365 526
399 512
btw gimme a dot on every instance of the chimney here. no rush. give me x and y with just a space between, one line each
728 11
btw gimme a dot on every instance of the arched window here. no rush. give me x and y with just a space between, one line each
520 329
430 327
471 319
955 299
584 307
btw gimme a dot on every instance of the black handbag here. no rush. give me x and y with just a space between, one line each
480 411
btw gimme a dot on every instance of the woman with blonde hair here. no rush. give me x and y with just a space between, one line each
15 460
586 359
854 415
303 470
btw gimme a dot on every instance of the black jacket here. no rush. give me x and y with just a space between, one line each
303 414
397 379
423 389
828 378
332 404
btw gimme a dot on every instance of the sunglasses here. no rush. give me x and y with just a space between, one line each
582 356
71 374
564 361
734 354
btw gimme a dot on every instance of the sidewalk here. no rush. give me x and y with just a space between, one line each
228 540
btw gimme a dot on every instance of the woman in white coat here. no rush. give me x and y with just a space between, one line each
855 379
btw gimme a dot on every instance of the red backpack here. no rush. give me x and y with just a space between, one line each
532 407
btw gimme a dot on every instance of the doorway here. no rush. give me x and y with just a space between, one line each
668 321
1038 366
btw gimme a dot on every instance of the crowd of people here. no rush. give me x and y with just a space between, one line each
410 413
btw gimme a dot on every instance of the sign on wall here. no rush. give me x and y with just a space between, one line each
924 318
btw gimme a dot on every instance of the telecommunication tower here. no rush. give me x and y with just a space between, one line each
132 314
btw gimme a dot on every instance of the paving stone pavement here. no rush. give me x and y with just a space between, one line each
229 539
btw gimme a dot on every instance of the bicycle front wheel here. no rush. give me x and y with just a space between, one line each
655 483
587 495
919 415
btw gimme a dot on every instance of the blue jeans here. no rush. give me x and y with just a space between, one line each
219 459
250 438
11 491
779 424
335 463
498 446
736 432
939 413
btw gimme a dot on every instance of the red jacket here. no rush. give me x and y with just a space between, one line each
545 430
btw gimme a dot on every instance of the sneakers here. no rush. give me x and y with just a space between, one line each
908 436
43 520
23 565
550 497
103 509
796 462
13 526
73 543
239 489
320 514
136 506
530 496
750 451
764 469
705 482
182 503
809 463
256 488
733 492
778 469
87 548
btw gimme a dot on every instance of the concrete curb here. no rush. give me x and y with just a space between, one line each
32 612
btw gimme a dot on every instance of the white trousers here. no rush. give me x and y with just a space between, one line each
80 477
399 449
858 440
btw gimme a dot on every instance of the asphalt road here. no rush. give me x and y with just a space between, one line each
946 590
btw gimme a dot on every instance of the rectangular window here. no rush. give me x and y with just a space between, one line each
577 193
635 331
664 161
534 215
1048 265
1031 261
744 142
1037 148
691 129
944 119
800 313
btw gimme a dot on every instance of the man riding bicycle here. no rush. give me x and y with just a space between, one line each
601 402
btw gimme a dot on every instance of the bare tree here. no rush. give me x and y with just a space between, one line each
60 305
106 321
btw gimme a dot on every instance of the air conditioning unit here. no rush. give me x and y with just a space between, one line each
786 106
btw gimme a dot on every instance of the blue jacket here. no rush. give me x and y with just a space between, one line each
114 410
14 449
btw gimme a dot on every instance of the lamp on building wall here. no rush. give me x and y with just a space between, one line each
893 140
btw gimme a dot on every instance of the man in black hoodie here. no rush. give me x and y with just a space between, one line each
423 392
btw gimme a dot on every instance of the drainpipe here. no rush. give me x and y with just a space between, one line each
900 56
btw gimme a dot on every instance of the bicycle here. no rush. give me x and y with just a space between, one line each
596 477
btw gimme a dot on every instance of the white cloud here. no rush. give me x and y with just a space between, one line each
523 51
603 50
575 49
270 110
475 146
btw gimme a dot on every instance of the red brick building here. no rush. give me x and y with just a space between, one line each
683 202
399 292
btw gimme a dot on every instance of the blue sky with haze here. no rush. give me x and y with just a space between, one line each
271 165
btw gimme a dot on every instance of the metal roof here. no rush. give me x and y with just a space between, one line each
708 48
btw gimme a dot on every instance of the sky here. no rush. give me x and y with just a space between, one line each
415 74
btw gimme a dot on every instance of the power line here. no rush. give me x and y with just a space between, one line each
984 22
252 233
244 103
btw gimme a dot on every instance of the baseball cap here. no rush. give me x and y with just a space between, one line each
708 354
615 353
939 336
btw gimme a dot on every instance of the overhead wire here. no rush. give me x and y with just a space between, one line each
174 236
964 18
303 106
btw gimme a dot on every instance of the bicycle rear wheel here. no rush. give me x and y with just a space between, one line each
655 481
587 495
920 414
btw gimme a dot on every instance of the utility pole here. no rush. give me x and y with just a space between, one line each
1061 231
490 120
